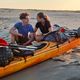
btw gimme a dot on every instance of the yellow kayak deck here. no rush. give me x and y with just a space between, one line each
49 51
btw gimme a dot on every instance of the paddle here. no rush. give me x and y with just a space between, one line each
23 47
4 43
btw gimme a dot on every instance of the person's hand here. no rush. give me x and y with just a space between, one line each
46 34
25 44
20 35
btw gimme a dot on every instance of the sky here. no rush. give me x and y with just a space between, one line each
41 4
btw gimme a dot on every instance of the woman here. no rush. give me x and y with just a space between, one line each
43 24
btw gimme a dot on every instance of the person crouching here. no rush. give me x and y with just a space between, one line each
19 32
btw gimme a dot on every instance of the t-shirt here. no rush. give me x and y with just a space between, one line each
24 29
43 28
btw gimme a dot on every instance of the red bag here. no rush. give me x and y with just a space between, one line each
3 42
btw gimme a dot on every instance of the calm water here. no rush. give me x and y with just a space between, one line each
9 17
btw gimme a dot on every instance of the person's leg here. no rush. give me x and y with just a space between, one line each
17 39
13 39
38 37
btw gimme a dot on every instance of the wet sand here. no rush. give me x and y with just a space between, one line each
64 67
49 70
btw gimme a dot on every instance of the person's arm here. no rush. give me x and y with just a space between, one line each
35 30
49 26
14 32
36 27
50 30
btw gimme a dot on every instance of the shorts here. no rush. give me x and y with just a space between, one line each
21 40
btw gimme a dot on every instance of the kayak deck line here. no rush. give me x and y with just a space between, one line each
41 55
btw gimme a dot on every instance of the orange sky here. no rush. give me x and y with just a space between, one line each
41 4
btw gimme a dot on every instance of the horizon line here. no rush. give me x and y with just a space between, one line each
40 9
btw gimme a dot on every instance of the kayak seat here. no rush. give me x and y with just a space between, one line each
24 54
41 46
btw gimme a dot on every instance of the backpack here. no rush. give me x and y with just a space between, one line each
55 37
6 56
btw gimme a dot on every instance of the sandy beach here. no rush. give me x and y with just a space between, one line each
64 67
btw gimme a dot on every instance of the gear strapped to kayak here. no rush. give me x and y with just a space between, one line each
6 56
19 52
47 50
61 37
57 35
8 51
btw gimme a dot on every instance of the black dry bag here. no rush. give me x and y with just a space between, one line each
6 56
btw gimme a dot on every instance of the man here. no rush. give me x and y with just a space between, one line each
22 32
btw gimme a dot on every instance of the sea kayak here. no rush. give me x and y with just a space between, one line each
50 50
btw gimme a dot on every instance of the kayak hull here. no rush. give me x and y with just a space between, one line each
44 54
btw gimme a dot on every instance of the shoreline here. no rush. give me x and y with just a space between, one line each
77 11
